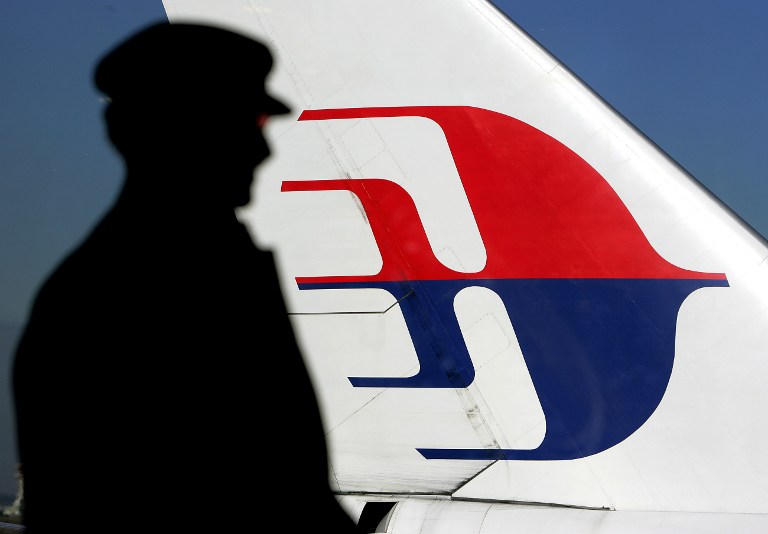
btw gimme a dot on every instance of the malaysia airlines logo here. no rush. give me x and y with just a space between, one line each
593 305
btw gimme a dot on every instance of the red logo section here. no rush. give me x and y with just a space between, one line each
542 211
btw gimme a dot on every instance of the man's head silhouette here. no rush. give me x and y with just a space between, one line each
186 107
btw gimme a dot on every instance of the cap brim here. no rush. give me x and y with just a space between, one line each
275 107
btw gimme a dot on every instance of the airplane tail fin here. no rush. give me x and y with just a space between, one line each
504 291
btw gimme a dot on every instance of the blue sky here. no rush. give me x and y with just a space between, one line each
693 76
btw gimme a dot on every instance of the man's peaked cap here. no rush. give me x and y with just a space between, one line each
169 63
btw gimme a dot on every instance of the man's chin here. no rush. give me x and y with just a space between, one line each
241 201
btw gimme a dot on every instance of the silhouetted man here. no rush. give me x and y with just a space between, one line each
158 372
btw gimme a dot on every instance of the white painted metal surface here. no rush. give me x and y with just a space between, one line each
419 515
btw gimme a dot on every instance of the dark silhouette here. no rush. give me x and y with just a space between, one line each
158 372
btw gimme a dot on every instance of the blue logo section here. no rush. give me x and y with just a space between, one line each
599 352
